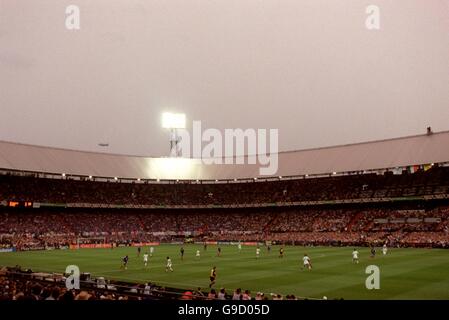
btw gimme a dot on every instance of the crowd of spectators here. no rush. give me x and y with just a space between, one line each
40 228
417 225
362 186
333 224
18 285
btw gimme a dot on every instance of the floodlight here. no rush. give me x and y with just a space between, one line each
173 120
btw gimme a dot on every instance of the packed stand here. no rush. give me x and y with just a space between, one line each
434 181
56 228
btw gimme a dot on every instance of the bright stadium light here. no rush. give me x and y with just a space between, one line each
173 120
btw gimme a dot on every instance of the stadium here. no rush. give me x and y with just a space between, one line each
392 192
357 207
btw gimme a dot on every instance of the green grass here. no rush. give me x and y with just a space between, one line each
404 273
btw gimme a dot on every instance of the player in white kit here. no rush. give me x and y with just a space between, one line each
197 254
384 249
257 253
169 265
306 262
145 259
239 246
355 256
151 251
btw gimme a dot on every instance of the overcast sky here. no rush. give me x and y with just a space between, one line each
307 67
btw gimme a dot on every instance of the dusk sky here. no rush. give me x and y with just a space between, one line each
309 68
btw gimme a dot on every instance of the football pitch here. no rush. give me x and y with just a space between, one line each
404 273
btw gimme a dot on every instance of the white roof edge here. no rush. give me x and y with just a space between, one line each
387 153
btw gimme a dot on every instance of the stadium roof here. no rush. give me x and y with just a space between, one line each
399 152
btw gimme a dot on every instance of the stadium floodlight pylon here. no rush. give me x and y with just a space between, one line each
174 121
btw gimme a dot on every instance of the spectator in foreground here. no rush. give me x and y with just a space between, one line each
237 294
